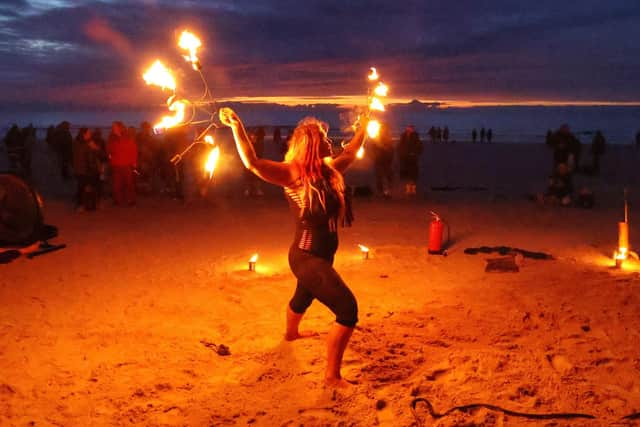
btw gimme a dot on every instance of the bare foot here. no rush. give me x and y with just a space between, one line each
337 383
300 334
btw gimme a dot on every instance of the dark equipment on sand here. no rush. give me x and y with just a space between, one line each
22 227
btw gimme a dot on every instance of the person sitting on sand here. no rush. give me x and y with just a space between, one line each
314 187
560 186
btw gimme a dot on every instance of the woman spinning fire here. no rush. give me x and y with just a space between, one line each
314 187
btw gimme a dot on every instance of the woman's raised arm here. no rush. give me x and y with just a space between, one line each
279 173
343 160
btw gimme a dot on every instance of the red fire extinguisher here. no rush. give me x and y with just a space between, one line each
436 233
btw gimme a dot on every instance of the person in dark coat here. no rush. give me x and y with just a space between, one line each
474 136
383 159
597 150
14 142
445 134
566 147
409 150
482 135
86 168
62 143
489 135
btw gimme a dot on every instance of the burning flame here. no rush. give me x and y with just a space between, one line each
189 41
170 121
381 90
373 128
254 258
360 152
373 74
363 248
159 75
208 139
376 104
212 161
621 253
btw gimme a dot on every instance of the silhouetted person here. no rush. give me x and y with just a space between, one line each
98 139
409 150
489 135
252 182
549 138
597 150
62 143
145 141
482 135
566 148
383 160
438 134
445 134
432 134
474 136
277 137
14 143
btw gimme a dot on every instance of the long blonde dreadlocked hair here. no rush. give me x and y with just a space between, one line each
304 149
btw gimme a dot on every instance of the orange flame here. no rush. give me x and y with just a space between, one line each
159 75
363 248
212 161
167 122
208 139
189 41
381 90
373 74
373 128
360 152
621 253
254 258
376 104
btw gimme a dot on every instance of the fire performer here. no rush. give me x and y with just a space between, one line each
314 187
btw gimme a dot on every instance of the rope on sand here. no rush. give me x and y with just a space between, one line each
466 408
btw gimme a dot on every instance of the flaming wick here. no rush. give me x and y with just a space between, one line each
252 262
189 41
364 250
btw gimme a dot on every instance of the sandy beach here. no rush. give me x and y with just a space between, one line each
122 326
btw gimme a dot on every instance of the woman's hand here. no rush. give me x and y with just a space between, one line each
228 117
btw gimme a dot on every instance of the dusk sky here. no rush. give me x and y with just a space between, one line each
92 53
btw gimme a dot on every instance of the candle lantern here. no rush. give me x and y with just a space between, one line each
252 262
365 251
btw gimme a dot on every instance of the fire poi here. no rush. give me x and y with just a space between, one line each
376 90
159 75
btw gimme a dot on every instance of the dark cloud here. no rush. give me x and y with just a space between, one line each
477 49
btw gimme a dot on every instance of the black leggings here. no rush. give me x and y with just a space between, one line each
317 279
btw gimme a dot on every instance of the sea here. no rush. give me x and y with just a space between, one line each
509 124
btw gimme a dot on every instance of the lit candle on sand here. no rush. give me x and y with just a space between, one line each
365 251
252 262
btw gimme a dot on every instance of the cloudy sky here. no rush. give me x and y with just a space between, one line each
88 53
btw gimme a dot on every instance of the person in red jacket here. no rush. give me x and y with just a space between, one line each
123 157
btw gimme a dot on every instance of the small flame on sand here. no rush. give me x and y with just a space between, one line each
376 105
373 128
254 258
373 74
212 161
381 90
189 41
360 152
621 253
363 248
159 75
167 122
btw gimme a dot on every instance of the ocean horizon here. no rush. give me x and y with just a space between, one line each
509 124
